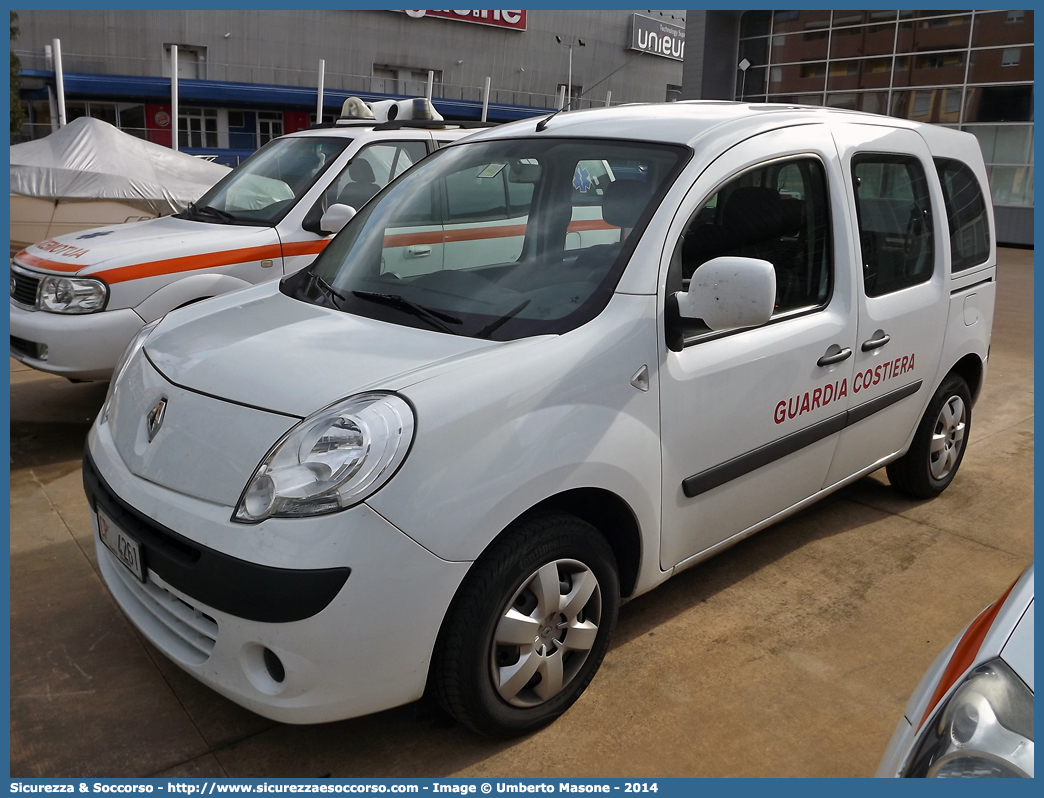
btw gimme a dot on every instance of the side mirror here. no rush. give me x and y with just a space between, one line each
729 293
336 217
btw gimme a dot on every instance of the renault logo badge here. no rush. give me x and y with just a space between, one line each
154 420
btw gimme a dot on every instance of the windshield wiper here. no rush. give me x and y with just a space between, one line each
496 324
327 290
207 210
433 317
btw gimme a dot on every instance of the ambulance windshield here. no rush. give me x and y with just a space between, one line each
499 239
261 190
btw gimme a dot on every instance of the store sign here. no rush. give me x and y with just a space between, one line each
658 37
512 20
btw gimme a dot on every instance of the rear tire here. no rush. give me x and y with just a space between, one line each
528 628
939 444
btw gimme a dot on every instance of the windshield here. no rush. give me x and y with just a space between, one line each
499 240
264 188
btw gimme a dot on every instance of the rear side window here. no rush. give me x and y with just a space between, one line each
966 214
895 222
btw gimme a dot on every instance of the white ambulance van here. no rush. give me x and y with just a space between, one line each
543 371
77 300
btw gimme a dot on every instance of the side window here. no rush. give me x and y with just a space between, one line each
777 213
966 214
409 153
372 168
390 159
895 222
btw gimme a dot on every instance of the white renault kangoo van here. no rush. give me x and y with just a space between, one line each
545 370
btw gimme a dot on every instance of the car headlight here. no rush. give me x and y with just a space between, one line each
984 730
333 459
72 294
137 342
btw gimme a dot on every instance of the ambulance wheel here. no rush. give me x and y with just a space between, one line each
939 444
528 628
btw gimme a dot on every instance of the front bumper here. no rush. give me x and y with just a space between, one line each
80 347
358 648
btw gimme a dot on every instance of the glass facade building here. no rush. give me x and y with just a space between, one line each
971 70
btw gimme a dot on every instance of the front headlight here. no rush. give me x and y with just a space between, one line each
72 294
333 459
137 342
984 730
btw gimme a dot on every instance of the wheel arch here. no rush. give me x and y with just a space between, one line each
606 512
186 291
970 368
611 516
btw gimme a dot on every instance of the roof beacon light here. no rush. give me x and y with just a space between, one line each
354 108
418 109
423 110
385 110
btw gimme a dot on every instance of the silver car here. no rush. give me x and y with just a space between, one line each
972 714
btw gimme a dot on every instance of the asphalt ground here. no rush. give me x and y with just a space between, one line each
791 654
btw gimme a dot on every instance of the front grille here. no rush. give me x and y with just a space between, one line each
28 348
24 288
247 590
186 632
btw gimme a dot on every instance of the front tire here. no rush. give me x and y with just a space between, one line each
939 444
529 627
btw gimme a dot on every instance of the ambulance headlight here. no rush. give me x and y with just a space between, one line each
72 294
333 459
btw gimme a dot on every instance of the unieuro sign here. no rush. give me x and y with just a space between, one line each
512 20
658 37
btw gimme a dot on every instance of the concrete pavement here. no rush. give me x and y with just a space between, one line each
791 654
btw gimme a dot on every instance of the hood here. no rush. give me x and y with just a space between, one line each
261 348
100 251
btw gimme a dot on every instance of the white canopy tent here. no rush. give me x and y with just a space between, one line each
90 174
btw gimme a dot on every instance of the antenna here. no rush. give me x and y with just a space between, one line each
542 124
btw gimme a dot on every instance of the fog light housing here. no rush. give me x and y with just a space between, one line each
273 665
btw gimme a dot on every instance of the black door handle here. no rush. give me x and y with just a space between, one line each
831 358
880 339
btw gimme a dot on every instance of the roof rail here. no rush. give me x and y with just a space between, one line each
354 123
433 125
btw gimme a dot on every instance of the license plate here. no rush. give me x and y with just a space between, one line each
127 549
